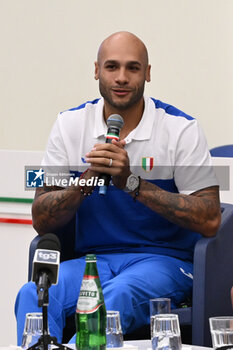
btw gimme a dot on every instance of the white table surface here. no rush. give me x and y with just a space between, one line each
146 345
128 345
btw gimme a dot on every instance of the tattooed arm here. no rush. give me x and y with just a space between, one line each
53 206
199 211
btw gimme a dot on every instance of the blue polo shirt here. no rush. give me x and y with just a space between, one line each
167 148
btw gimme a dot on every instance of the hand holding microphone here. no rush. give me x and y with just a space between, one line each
110 159
114 123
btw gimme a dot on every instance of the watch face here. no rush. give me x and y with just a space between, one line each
132 182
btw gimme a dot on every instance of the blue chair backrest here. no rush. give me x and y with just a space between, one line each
222 151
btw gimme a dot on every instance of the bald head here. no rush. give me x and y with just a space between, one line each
122 69
123 40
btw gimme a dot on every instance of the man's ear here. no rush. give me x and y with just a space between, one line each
148 69
96 70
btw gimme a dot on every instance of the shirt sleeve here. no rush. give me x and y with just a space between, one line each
193 166
55 162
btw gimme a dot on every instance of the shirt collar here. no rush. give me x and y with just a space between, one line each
100 126
144 128
141 132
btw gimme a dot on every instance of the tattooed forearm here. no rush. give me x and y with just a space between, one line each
199 212
54 207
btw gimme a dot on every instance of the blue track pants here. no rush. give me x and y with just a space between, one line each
128 281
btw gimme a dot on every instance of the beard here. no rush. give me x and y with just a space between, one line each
136 96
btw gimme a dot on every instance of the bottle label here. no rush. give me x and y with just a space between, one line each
88 301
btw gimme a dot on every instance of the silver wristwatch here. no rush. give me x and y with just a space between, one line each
132 183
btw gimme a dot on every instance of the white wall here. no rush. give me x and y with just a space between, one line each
14 238
48 49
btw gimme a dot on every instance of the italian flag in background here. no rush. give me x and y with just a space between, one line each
147 163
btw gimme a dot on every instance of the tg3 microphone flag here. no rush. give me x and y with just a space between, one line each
46 265
115 122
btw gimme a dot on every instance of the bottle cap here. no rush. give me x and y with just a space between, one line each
90 257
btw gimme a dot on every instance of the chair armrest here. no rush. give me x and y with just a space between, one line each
184 314
213 277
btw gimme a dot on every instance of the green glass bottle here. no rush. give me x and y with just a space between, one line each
91 311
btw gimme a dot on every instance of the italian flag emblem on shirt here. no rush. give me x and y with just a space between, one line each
147 163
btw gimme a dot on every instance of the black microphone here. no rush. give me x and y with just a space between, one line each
115 122
46 266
